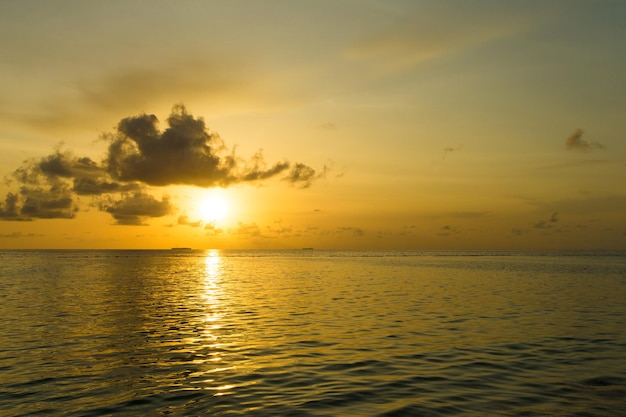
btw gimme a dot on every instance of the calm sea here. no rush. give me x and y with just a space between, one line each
312 333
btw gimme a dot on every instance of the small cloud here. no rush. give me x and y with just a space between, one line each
246 230
546 224
212 230
448 150
328 126
355 231
184 220
303 175
277 229
575 142
467 214
448 230
17 235
131 209
407 230
518 232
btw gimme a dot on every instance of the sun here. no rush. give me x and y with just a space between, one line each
213 208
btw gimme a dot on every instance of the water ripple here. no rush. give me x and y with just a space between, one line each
147 333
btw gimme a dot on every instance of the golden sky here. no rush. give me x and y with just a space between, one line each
332 124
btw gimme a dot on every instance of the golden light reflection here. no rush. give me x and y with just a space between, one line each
212 295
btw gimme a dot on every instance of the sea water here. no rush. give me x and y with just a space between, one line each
312 333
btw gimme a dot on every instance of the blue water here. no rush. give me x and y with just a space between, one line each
312 333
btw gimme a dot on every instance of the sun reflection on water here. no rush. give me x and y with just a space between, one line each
212 297
213 322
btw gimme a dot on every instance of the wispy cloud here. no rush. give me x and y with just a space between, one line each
575 142
19 235
93 101
548 223
184 220
450 149
417 40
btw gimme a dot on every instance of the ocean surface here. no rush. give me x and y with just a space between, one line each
312 333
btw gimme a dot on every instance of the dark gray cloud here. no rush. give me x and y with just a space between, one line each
49 187
303 175
48 204
139 155
132 208
87 177
187 153
44 192
9 210
576 142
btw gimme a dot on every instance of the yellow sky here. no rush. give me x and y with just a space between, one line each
327 124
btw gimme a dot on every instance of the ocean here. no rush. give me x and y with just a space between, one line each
312 333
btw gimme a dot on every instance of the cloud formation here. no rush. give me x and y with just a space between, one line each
140 155
131 208
187 153
575 142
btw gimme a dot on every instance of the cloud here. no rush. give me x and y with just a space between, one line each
590 205
9 210
211 230
450 149
42 195
88 178
18 235
575 142
186 153
448 230
354 231
140 155
518 232
547 224
328 126
225 84
303 175
418 39
246 230
50 186
184 220
133 207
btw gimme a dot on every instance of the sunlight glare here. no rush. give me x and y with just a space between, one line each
213 208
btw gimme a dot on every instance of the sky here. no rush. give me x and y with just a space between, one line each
333 124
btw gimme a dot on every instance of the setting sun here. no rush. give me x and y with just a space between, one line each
213 208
